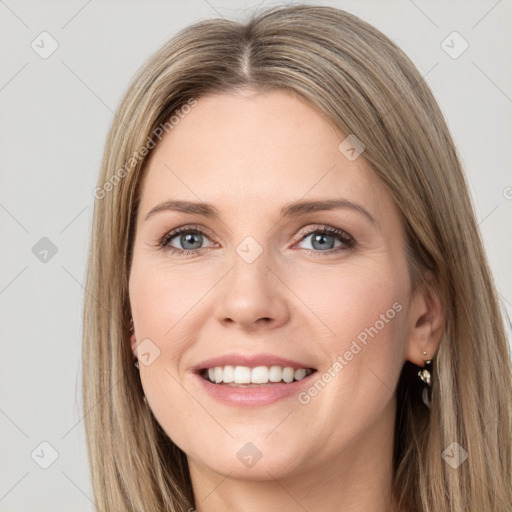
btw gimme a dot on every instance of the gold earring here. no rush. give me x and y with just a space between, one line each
424 374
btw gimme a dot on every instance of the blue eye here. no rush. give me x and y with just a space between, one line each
191 240
324 239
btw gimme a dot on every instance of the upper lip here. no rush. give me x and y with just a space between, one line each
250 360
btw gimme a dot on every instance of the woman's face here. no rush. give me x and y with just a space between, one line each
273 285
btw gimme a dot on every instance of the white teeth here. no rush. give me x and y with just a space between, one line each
229 374
242 374
299 374
257 375
288 374
275 374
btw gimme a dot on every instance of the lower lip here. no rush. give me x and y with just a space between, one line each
256 396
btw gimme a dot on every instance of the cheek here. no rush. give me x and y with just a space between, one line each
358 302
365 309
169 306
164 300
164 304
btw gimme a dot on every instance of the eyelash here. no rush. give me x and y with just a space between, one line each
347 240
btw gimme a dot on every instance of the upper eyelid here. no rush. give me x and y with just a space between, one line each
188 227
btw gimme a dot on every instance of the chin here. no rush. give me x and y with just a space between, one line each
250 461
264 469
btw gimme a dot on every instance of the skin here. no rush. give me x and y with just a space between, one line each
249 154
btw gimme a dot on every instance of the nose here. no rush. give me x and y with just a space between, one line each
252 296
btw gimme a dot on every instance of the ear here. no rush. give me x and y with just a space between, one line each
426 324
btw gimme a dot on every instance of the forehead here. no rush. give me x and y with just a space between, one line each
250 150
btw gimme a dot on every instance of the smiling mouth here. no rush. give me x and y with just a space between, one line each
245 376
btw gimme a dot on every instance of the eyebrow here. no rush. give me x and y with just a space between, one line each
294 209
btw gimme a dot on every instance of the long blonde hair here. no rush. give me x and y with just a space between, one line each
368 87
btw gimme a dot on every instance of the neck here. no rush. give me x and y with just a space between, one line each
358 478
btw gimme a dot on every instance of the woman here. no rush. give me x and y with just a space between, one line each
332 338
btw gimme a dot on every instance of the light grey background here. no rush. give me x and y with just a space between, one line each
55 114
